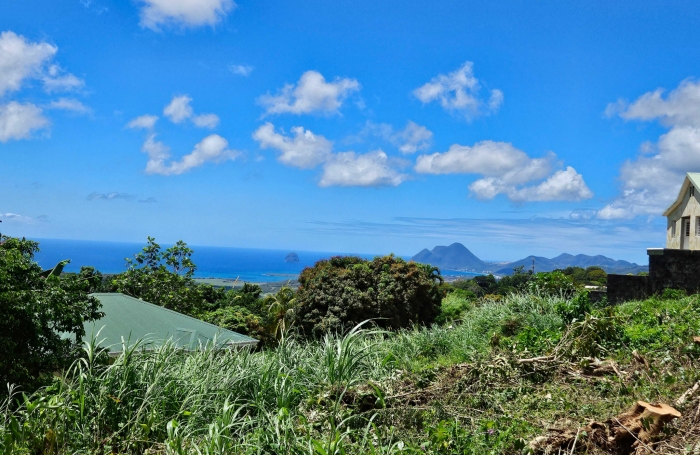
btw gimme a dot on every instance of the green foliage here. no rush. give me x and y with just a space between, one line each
341 292
672 294
432 390
162 277
35 311
593 275
454 305
576 308
552 283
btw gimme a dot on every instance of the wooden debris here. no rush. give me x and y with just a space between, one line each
687 394
631 432
696 340
639 359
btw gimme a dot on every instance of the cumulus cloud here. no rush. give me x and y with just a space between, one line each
241 70
310 94
213 148
369 169
69 104
18 121
114 195
651 181
412 138
188 13
459 92
180 110
506 170
55 79
210 121
303 150
21 59
146 122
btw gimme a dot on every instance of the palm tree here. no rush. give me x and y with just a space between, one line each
280 306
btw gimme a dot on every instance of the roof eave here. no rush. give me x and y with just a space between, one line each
679 198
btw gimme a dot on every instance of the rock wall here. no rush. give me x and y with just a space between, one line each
674 269
622 288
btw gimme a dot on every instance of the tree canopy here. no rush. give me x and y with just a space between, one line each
35 309
341 292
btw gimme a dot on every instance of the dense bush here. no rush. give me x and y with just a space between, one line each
35 309
341 292
592 275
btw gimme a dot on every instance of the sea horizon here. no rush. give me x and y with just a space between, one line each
255 265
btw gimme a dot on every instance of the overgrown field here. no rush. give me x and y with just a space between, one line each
507 371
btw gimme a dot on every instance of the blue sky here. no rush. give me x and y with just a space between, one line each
513 127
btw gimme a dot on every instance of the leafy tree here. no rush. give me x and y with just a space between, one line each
35 311
162 277
552 283
343 291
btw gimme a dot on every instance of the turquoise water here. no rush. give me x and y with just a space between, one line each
246 264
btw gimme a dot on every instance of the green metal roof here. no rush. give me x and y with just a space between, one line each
133 319
690 178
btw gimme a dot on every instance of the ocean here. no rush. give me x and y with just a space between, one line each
247 264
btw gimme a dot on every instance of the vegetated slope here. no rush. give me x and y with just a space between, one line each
458 257
455 256
513 370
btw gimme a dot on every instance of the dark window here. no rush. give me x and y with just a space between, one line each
692 191
687 227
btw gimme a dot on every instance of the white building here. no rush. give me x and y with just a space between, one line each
683 216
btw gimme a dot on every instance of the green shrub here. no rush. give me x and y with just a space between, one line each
341 292
574 309
552 283
673 294
454 305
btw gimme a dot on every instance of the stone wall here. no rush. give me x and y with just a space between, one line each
622 288
674 269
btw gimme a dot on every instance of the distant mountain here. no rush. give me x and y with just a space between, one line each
455 257
565 260
458 257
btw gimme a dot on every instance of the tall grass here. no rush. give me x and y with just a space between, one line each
330 396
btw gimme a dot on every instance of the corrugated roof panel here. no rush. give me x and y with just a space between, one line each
134 319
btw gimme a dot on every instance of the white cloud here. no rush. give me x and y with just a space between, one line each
16 218
213 148
305 150
241 70
458 92
109 196
369 169
21 59
191 13
69 104
412 138
210 121
651 181
55 79
311 94
180 110
505 170
563 185
146 122
18 121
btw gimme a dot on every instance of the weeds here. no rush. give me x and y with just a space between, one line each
508 371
